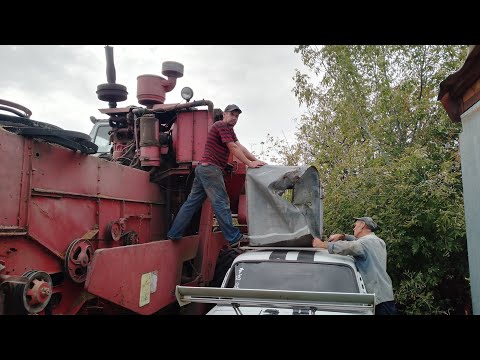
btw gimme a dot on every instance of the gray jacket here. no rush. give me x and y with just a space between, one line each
370 255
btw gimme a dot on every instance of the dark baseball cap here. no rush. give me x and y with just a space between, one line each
233 107
372 225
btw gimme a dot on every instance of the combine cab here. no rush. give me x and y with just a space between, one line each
83 228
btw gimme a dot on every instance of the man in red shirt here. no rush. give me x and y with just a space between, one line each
209 181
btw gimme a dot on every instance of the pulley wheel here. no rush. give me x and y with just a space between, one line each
34 296
77 258
114 231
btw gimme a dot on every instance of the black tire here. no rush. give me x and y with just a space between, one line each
23 122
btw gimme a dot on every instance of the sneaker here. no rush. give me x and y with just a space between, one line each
241 241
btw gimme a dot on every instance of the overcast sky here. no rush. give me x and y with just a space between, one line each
58 83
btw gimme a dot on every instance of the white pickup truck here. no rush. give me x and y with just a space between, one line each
286 281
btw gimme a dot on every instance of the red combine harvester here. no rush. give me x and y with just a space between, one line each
86 234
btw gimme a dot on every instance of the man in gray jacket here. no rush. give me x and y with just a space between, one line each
370 255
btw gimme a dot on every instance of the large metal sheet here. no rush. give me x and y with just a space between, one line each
276 219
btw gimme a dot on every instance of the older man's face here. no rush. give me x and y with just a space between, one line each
358 227
231 117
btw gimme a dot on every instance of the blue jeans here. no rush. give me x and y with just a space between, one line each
208 182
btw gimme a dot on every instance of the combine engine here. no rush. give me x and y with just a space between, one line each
86 234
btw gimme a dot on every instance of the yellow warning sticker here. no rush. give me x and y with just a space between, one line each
145 285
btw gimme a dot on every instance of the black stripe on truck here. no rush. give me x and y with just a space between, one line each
278 255
306 256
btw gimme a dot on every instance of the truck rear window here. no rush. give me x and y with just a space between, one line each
270 275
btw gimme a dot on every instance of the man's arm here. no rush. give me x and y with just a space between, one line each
336 237
238 151
340 247
247 153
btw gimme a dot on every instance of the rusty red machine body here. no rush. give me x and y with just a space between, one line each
84 234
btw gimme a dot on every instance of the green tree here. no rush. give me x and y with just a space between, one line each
385 148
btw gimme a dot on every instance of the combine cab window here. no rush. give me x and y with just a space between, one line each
296 276
102 139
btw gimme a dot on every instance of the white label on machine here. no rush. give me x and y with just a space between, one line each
145 286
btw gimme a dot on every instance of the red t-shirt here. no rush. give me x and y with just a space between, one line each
216 151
